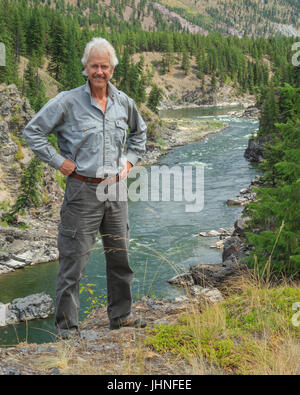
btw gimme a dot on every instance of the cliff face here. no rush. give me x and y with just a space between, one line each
15 113
37 242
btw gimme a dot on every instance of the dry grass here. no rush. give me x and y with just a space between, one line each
250 333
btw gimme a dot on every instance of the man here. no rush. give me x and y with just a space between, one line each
91 123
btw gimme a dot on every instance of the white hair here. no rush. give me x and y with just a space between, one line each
99 45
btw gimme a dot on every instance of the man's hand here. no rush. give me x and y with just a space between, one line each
125 171
67 167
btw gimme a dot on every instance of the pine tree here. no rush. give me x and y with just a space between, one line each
36 34
270 113
185 64
276 248
71 73
29 195
34 86
154 98
213 82
58 47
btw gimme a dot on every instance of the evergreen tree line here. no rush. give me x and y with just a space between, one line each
40 32
276 213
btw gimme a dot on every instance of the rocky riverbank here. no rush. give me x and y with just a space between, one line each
23 247
32 239
100 351
31 307
218 277
173 133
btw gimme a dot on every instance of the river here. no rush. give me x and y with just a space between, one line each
164 237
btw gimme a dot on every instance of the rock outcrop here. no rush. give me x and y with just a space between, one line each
25 309
33 239
255 150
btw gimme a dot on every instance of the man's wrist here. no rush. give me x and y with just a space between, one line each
132 158
56 161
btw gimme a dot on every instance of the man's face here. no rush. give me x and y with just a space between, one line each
99 69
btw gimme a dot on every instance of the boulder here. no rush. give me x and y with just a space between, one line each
211 276
254 151
212 295
181 280
14 264
231 245
251 112
5 269
239 201
219 232
219 244
240 226
2 314
28 308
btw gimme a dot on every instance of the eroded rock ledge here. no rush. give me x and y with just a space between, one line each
25 309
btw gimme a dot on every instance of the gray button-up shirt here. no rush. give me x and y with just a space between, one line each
94 140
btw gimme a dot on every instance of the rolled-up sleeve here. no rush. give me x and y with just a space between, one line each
136 144
43 123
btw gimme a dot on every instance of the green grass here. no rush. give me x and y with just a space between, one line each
249 333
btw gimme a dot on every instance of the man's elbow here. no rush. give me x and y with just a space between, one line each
27 136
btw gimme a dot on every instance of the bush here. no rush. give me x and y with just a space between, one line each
29 195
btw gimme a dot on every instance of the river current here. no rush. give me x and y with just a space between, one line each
164 237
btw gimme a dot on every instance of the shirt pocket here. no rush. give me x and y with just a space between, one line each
86 138
120 132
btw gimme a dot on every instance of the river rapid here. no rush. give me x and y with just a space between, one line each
164 237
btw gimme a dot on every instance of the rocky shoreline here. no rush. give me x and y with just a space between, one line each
99 351
175 133
195 99
217 277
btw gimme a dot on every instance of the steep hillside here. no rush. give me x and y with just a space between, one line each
15 113
179 88
188 68
252 17
238 17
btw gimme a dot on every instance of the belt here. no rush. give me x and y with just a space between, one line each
95 180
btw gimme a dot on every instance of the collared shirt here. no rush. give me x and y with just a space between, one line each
94 140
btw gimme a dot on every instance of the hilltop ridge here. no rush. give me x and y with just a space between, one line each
252 17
